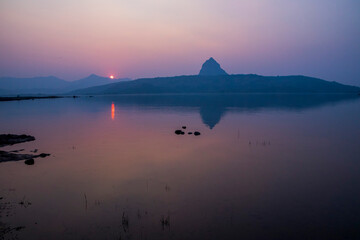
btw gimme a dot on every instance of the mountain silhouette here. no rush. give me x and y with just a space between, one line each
211 68
34 85
50 84
90 81
240 83
213 79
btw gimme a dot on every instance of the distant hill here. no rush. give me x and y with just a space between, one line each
211 68
49 85
32 85
240 83
92 80
213 79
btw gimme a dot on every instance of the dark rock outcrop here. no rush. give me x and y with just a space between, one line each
11 139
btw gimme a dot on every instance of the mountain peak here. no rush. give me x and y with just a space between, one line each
93 75
211 67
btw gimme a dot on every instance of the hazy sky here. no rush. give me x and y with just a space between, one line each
144 38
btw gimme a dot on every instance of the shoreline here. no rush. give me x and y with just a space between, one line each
20 98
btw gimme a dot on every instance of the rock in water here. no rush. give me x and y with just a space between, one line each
196 133
11 139
211 68
178 132
30 161
42 155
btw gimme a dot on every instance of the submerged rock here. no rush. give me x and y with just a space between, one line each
42 155
30 161
189 133
183 127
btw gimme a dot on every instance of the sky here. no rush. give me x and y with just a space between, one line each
72 39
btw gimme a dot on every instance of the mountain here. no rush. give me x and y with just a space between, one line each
213 79
90 81
50 85
32 85
211 68
239 83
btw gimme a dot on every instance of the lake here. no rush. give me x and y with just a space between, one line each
266 166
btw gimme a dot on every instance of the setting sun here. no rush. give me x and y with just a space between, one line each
112 76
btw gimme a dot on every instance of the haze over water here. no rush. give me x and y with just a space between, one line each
264 167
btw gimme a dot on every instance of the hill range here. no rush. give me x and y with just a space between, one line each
50 84
211 79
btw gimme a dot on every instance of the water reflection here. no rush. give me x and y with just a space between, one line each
211 116
212 107
271 162
112 111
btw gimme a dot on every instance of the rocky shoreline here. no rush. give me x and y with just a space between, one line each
11 139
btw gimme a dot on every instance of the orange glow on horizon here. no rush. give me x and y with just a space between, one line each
112 111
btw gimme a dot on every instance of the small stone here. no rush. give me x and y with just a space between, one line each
196 133
30 161
183 127
189 133
178 132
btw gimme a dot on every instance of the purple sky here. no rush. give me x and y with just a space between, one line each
147 38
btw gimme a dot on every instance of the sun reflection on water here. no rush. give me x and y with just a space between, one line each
112 111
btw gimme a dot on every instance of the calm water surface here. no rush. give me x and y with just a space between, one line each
264 167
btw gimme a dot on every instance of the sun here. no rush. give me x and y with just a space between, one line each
111 77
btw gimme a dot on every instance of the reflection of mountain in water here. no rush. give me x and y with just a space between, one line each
212 107
211 115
